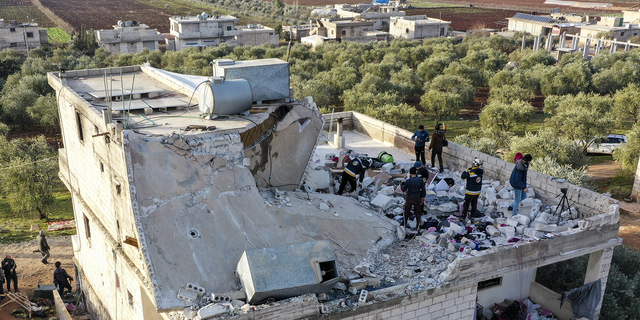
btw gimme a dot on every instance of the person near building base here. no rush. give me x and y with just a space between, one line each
355 167
518 181
60 277
473 176
436 145
2 278
420 137
9 268
43 247
416 191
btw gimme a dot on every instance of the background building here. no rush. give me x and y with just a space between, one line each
418 27
255 35
22 36
202 31
129 37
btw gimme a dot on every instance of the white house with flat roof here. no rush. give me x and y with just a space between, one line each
255 35
202 30
129 37
21 36
418 27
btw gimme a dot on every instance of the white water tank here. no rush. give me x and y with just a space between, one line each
225 97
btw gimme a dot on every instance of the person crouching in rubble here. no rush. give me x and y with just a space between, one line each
355 167
473 176
415 189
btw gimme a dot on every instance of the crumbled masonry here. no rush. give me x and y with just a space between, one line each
424 259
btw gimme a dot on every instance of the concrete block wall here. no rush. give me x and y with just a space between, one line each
457 157
436 304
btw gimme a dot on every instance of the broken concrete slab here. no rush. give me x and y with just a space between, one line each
318 179
382 201
359 284
212 310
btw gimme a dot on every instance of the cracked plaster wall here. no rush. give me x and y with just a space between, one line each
281 159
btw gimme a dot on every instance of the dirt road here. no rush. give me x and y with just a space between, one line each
31 271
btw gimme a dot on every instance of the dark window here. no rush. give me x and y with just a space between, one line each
101 166
622 34
13 44
29 34
344 32
407 30
130 299
489 283
87 228
79 123
12 29
228 28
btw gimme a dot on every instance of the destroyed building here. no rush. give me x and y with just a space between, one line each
198 198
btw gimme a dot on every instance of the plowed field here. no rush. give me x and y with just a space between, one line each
463 18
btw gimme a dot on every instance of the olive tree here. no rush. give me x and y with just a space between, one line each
546 143
506 117
627 103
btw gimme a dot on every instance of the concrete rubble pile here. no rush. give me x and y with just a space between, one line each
423 258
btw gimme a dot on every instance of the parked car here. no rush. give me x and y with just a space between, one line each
607 144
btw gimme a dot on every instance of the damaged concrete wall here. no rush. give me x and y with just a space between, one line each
280 159
198 217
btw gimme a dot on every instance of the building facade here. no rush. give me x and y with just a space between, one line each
129 37
202 31
418 27
255 35
22 36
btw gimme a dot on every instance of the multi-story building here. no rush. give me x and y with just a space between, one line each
180 207
418 27
22 36
129 37
202 30
255 35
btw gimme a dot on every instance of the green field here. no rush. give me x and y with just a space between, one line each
57 35
14 227
25 14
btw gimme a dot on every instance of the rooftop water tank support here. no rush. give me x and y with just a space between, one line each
225 97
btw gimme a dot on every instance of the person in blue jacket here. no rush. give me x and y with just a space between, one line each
355 167
518 181
416 191
473 176
420 137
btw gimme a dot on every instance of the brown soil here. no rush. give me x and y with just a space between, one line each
31 271
601 172
629 211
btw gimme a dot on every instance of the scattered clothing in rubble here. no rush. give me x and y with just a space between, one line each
584 300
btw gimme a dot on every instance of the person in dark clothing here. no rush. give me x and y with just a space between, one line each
60 277
473 176
416 191
421 171
355 167
9 268
2 278
518 181
436 145
43 247
420 137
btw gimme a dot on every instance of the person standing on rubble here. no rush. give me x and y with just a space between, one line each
43 247
436 145
416 191
420 137
518 181
355 167
473 176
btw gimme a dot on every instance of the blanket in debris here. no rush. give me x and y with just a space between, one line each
61 225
